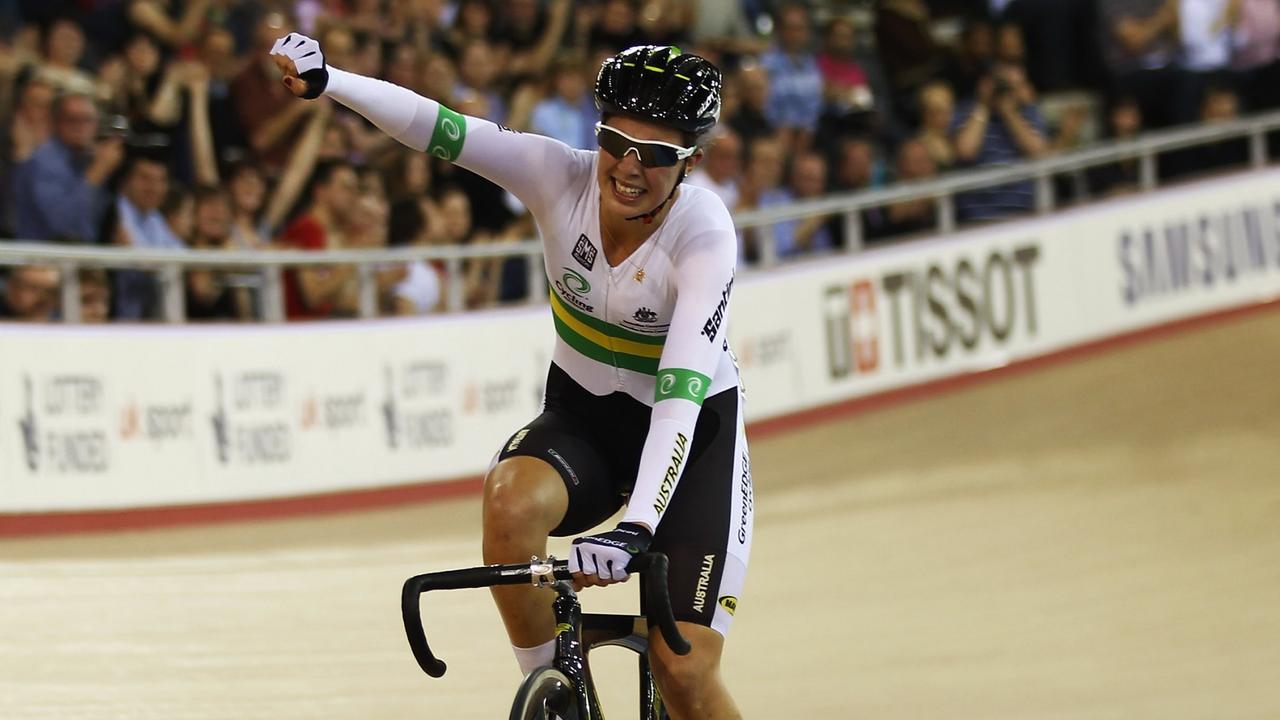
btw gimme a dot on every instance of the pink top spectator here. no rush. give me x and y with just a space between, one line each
1258 34
843 73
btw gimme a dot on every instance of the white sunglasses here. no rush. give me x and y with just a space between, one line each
650 153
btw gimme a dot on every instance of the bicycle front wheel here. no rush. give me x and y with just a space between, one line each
545 695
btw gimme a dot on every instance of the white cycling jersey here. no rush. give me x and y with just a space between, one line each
654 327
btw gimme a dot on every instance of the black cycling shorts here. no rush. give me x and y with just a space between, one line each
595 442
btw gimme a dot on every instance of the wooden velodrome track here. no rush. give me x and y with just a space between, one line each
1098 538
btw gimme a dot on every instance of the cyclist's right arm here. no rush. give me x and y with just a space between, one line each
534 168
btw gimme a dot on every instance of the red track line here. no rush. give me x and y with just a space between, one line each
61 523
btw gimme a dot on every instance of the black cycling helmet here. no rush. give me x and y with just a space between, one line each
660 83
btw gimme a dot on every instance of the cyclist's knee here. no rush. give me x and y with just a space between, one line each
523 492
684 676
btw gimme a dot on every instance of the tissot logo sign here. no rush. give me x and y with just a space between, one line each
912 316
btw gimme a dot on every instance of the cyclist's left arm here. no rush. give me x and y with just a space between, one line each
703 275
695 344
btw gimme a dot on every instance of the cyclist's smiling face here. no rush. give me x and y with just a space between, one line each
629 188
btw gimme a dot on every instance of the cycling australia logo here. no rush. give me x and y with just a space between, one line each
645 316
585 253
573 287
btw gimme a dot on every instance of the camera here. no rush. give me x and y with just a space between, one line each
118 126
113 126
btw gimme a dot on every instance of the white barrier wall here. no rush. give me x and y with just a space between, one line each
115 417
835 329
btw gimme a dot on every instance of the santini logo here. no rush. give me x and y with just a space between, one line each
585 253
712 326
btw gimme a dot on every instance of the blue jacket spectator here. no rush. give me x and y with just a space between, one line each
57 193
808 181
137 292
795 80
560 115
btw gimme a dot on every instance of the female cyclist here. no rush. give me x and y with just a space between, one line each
642 404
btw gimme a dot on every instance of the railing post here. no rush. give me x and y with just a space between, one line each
273 293
768 245
173 293
455 301
70 292
1044 194
853 240
1258 148
946 213
367 287
1080 185
1147 170
536 271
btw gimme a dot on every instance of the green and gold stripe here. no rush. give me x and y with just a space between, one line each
605 343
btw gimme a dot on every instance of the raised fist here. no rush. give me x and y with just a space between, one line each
302 63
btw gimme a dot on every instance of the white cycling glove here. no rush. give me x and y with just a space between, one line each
307 58
606 555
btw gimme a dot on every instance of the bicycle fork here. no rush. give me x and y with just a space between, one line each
571 655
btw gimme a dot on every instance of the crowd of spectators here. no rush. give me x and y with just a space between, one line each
162 123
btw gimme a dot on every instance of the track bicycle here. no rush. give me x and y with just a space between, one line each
563 689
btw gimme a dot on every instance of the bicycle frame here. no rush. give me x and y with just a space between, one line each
578 633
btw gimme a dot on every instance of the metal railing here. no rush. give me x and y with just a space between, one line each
268 266
1145 149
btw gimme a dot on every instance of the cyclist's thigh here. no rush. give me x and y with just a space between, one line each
706 531
560 441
